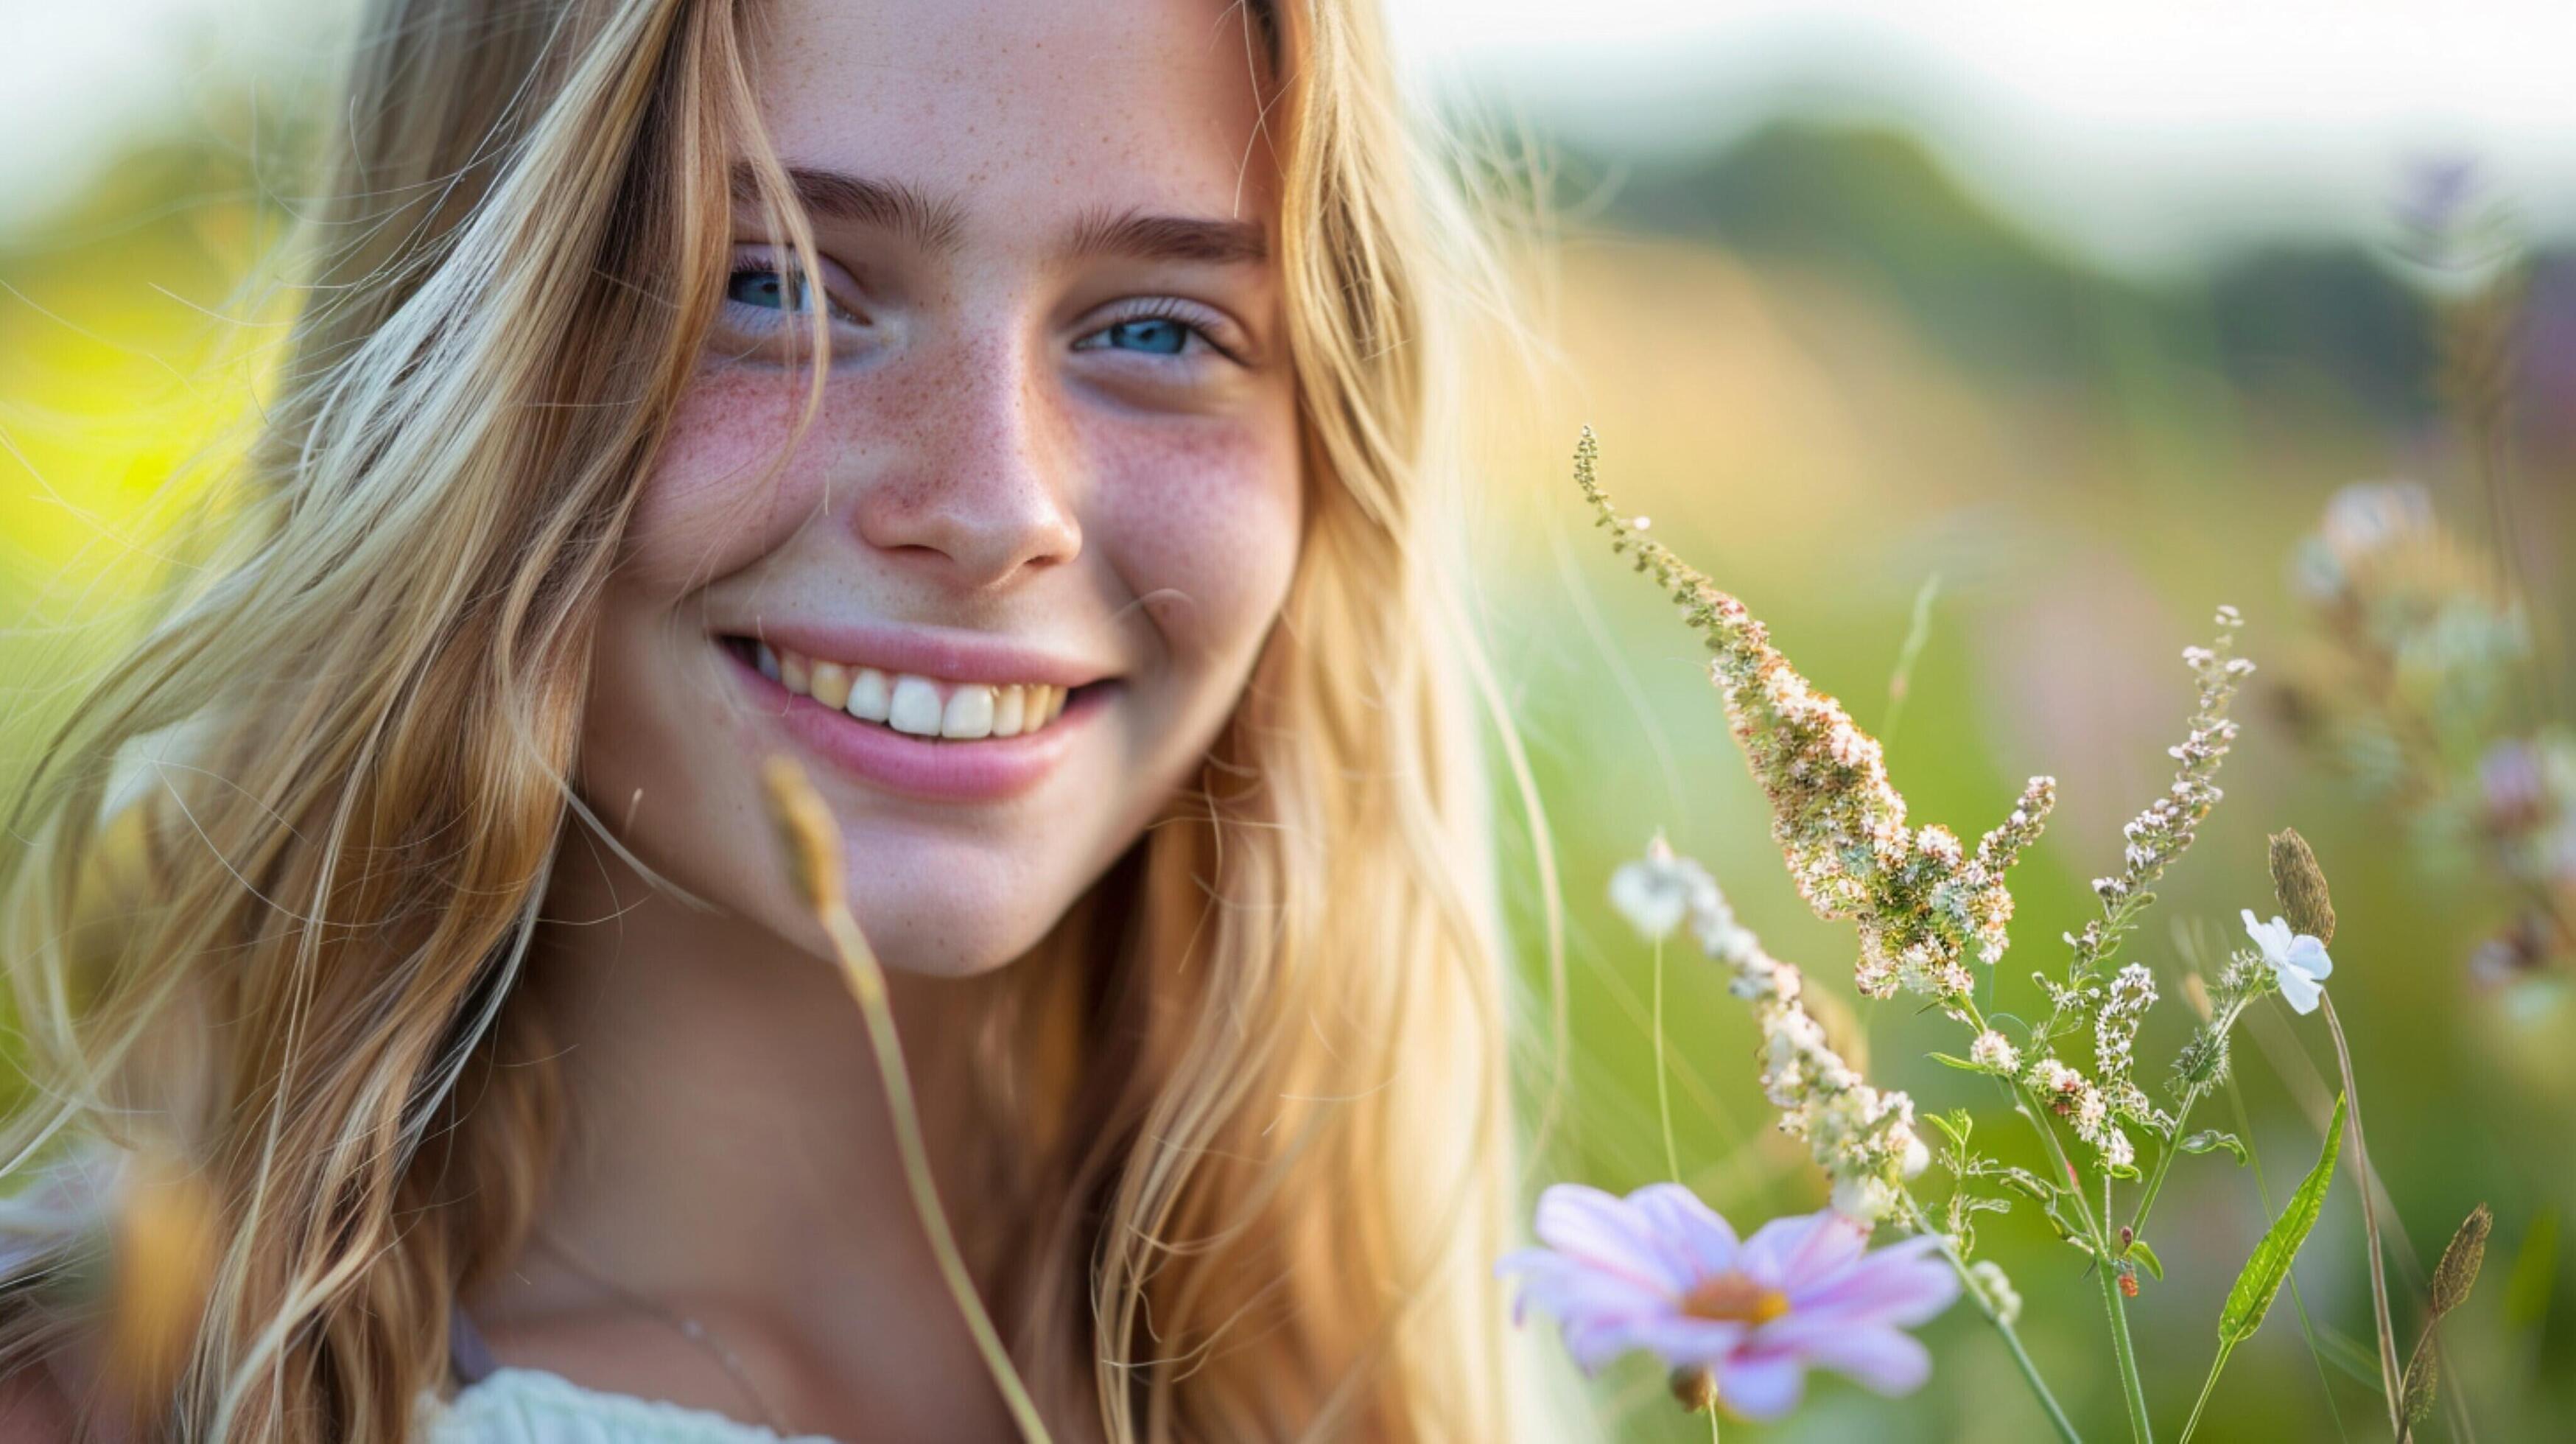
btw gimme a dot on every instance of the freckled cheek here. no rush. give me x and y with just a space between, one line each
1213 513
718 498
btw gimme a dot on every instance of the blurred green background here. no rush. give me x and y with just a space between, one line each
1832 359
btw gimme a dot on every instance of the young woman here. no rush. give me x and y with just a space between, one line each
1023 416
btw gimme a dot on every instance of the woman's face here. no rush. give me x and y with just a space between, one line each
1004 593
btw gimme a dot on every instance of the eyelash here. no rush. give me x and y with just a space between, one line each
786 273
1195 319
1198 320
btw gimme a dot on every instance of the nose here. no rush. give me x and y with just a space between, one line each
983 493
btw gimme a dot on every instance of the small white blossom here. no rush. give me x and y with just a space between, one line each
1996 1289
1994 1050
2297 960
1656 893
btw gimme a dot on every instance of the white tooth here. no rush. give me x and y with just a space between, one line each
970 712
1055 702
830 682
1009 710
914 707
868 699
794 672
1041 697
766 660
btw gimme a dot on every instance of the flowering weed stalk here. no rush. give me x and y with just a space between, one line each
1931 912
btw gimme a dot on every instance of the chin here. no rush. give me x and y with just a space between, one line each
937 948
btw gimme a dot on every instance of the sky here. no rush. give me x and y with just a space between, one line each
2144 133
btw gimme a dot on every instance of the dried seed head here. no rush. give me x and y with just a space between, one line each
1696 1389
2416 1402
2301 886
805 826
2457 1273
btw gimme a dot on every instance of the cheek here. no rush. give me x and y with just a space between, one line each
1202 523
719 497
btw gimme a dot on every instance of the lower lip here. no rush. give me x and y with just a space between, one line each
982 769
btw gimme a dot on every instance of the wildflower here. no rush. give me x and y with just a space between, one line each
1862 1137
1658 892
1994 1050
2115 1035
1921 901
1660 1271
2298 961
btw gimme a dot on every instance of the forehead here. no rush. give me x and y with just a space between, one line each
1019 108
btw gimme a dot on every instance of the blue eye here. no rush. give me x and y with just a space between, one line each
1153 335
779 290
767 288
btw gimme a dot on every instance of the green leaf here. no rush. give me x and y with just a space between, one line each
2269 1267
1962 1064
2210 1140
1958 1136
2146 1258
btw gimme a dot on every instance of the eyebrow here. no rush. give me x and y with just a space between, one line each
937 223
831 195
1169 238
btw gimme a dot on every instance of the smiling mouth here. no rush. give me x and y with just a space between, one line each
928 708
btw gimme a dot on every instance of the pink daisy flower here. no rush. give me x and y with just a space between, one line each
1661 1271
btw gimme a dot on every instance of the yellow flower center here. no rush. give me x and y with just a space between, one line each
1732 1298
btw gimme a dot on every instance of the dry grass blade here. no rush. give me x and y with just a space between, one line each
2388 1371
814 854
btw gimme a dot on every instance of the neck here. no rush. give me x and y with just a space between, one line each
728 1154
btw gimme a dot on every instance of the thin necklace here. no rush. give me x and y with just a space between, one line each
690 1328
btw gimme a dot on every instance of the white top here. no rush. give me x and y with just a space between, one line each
532 1406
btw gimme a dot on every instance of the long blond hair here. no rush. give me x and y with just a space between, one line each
1269 1099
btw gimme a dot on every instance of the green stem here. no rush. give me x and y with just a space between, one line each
2206 1389
2029 1108
1663 1086
2021 1357
2173 1141
2131 1389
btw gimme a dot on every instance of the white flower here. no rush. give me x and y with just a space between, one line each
1656 894
2298 960
1994 1050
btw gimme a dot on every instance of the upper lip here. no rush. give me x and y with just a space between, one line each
952 656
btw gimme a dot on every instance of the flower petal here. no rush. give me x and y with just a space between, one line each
1884 1359
1761 1386
1573 1290
1687 1225
2309 956
2299 990
1683 1341
1899 1285
1606 1233
2273 938
1789 1253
